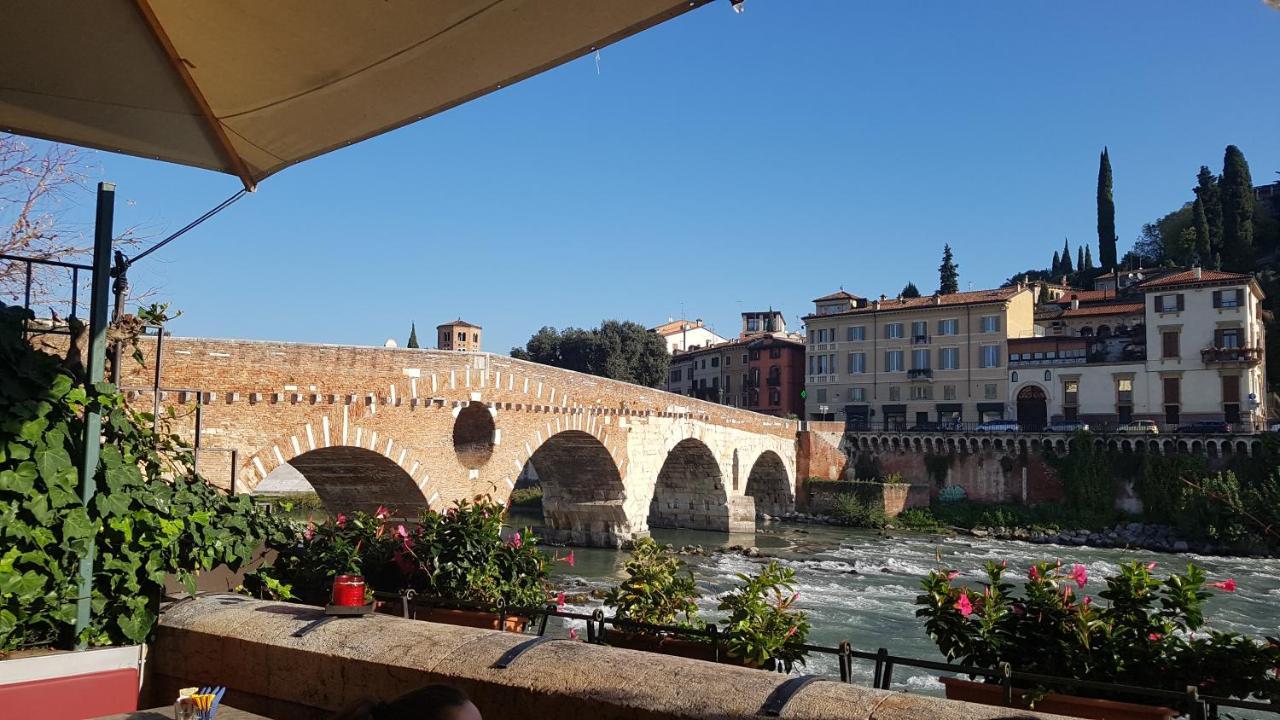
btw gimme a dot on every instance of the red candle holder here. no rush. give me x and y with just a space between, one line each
348 591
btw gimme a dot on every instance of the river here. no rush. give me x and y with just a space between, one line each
861 586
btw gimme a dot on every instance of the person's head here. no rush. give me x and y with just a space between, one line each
433 702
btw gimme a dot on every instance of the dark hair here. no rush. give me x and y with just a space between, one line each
425 703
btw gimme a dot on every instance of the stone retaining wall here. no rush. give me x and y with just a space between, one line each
248 646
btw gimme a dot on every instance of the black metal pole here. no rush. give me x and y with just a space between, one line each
92 417
120 287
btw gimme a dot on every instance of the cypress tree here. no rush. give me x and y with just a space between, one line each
1209 196
413 336
910 291
1080 258
1088 258
1106 214
1066 259
1056 266
1237 210
948 273
1204 249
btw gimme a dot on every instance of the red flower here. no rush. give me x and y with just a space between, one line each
1034 573
381 513
309 533
1080 574
515 541
1004 564
1154 637
792 631
1087 600
1151 566
560 600
952 575
569 558
963 605
1227 585
573 634
342 520
401 532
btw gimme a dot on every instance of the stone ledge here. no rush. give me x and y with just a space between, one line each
247 645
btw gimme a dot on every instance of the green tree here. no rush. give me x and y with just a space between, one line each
1208 194
1237 211
1066 269
618 350
1204 247
948 273
1106 214
1056 267
1088 258
1080 258
910 291
413 336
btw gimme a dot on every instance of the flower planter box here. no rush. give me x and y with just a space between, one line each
60 685
669 645
474 618
1055 703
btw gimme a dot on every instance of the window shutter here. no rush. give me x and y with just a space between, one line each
1217 298
1239 298
1217 339
1172 388
1181 301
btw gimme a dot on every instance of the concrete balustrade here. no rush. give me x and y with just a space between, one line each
248 646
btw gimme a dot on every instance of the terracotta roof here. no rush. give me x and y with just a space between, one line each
839 295
1188 277
1085 296
675 326
1115 308
458 323
976 297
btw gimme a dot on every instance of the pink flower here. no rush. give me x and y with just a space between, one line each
1004 564
1151 566
1087 600
952 575
569 558
515 541
1227 585
560 600
963 605
792 630
342 520
1034 573
1080 574
381 513
401 532
309 533
1154 637
573 634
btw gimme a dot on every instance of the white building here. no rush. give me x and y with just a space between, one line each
684 335
1183 347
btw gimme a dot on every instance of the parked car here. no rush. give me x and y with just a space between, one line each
999 426
1204 427
1139 427
923 427
1067 427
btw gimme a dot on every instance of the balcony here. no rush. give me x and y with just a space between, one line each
920 374
1232 357
774 381
919 339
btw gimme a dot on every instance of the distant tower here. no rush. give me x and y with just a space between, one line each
458 335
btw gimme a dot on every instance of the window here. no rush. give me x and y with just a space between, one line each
921 392
1228 298
920 359
1169 344
1172 399
858 394
895 392
675 376
856 333
893 361
893 331
462 337
1048 375
775 397
728 384
1226 338
949 359
919 329
990 323
821 395
1070 392
755 355
823 335
1231 398
949 327
857 362
728 360
1124 399
948 392
775 353
715 362
753 324
1013 376
744 358
990 356
1169 303
702 382
989 391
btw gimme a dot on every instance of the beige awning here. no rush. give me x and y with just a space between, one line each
250 87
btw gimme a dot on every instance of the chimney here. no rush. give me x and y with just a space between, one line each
875 304
698 322
1075 302
883 297
1198 273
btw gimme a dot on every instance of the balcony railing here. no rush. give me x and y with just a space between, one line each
1234 356
919 339
920 374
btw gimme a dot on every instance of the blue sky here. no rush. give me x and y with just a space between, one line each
726 162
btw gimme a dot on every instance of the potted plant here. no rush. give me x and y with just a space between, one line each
151 517
659 590
458 557
763 628
1142 632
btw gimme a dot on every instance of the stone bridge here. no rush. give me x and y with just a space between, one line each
410 428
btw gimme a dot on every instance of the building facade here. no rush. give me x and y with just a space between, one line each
684 335
760 370
913 362
458 335
1182 347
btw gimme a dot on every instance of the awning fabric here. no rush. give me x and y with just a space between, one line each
250 87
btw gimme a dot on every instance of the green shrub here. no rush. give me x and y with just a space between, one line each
762 626
849 509
152 515
659 589
917 519
526 497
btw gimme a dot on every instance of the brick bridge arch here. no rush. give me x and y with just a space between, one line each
607 450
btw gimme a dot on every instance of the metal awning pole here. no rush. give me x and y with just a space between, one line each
98 303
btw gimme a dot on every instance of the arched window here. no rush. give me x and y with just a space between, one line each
1013 376
1104 331
1048 375
1086 331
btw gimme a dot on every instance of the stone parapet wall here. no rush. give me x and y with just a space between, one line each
248 646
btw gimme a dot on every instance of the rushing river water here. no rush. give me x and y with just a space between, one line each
861 586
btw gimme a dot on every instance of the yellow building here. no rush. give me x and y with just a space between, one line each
914 362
